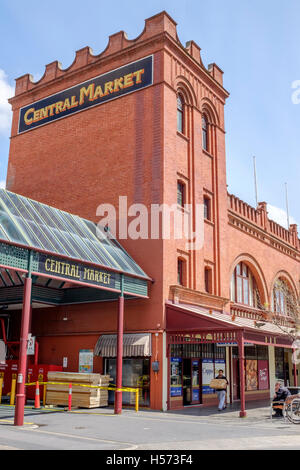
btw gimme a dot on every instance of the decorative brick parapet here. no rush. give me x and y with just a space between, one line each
259 218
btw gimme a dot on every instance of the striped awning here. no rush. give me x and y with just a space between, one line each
134 345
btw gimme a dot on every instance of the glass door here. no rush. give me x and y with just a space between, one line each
186 382
196 398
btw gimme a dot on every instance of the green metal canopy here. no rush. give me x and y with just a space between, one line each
63 247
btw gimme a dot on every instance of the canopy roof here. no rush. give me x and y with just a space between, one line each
33 224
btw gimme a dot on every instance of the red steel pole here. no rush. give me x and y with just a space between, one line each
118 393
20 396
242 375
295 370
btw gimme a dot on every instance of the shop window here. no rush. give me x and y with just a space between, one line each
135 374
257 368
207 208
180 193
180 114
205 129
243 286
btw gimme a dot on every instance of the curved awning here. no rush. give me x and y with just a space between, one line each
134 345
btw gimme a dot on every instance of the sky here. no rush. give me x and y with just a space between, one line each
256 44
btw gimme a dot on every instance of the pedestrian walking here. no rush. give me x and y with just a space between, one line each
221 392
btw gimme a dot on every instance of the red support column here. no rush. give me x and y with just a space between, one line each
295 369
119 368
242 374
20 396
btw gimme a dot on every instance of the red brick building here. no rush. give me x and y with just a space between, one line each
162 143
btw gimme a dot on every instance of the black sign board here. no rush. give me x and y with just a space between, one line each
73 271
98 90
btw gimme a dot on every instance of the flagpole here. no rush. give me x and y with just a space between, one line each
255 181
287 207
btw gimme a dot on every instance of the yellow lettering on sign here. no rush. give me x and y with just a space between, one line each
138 75
36 115
108 88
51 107
74 103
29 111
58 107
66 104
47 268
128 80
118 84
89 91
85 273
43 113
98 92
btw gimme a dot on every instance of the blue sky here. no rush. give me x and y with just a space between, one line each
257 45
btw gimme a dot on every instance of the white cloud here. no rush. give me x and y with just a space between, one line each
2 184
279 215
6 91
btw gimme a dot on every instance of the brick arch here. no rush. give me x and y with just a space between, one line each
209 109
282 274
183 86
257 273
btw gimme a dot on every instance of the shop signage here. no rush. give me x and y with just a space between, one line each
30 345
86 360
207 375
263 374
75 271
98 90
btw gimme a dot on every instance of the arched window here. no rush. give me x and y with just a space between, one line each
243 286
204 133
283 298
180 114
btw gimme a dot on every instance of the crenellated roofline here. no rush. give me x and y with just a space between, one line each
159 24
259 217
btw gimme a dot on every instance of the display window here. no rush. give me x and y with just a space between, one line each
135 374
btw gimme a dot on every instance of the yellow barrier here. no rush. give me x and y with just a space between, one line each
13 391
123 389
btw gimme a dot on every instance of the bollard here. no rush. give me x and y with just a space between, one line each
37 403
1 385
13 391
137 400
44 394
70 397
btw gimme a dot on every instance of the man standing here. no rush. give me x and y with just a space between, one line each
222 391
281 394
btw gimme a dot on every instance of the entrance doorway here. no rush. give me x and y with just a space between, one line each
191 373
235 379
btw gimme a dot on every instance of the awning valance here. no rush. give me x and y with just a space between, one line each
138 344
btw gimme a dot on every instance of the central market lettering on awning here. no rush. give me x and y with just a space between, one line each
72 271
111 85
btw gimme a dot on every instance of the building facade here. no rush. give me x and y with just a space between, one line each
144 120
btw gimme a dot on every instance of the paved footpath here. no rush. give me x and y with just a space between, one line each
190 429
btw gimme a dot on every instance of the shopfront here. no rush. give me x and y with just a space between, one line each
192 367
137 353
200 343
